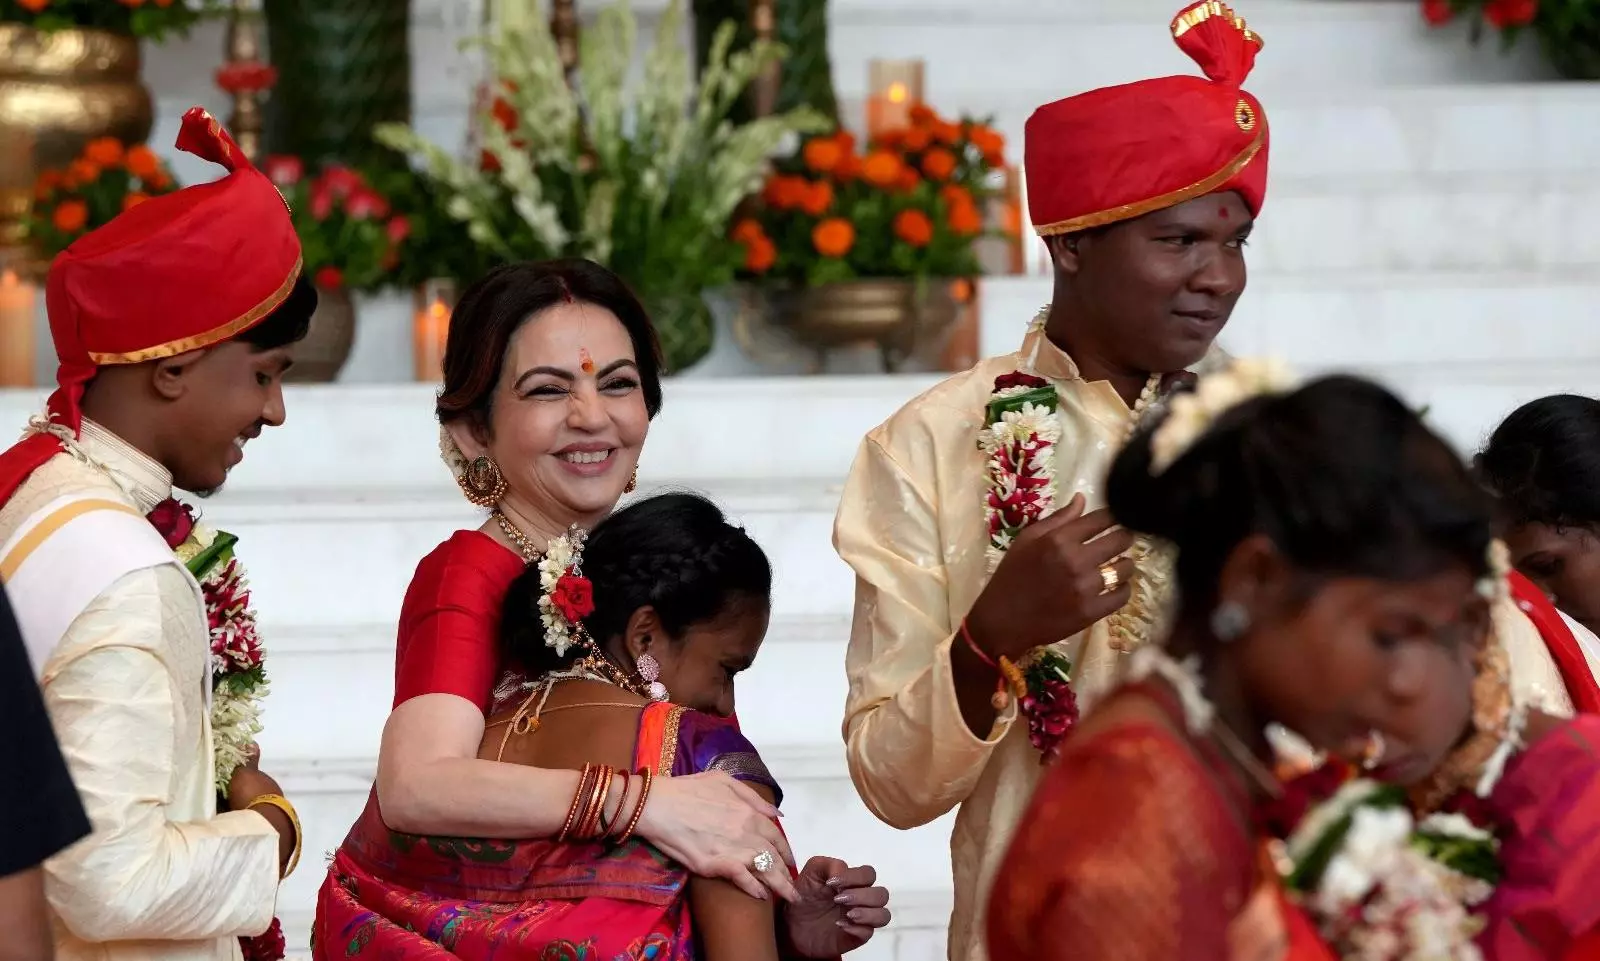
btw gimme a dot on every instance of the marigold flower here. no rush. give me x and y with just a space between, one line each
785 192
913 227
70 216
104 151
83 171
48 180
908 180
833 237
947 133
759 255
818 198
923 115
823 154
939 164
142 162
881 168
916 140
964 219
133 200
747 230
33 6
991 144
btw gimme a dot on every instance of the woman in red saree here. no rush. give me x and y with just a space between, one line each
1325 537
1467 744
666 600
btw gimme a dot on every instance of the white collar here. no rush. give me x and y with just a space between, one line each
137 473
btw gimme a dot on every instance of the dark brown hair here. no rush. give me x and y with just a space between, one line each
493 309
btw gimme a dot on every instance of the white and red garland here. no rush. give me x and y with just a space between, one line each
238 676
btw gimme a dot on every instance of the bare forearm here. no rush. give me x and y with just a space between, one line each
975 683
470 797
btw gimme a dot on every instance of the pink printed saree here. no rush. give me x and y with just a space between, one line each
401 897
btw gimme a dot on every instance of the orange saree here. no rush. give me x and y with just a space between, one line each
1135 848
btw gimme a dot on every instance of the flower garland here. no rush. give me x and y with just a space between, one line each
1379 884
239 679
1022 430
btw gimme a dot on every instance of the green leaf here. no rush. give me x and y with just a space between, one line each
220 551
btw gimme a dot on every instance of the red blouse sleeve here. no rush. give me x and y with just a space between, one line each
450 621
1127 853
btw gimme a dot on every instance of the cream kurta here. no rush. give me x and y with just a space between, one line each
163 876
911 525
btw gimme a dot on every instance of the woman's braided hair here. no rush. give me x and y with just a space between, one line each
675 553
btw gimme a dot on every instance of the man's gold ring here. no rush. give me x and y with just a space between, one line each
1110 577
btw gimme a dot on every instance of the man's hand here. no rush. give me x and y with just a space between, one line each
838 910
1051 583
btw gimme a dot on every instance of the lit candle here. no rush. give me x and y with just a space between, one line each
893 88
431 328
17 315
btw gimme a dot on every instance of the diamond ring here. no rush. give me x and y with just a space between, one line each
762 862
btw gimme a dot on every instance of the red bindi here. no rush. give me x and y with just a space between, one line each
585 361
1222 212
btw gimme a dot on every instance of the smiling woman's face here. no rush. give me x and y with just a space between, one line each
568 417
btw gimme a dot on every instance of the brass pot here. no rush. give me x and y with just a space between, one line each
59 90
900 316
319 358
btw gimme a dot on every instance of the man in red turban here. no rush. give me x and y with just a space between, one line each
173 324
1144 195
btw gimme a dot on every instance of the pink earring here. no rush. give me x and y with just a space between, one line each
650 670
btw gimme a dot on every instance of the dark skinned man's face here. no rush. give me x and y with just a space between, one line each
1153 293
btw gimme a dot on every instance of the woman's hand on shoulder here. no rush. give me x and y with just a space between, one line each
716 826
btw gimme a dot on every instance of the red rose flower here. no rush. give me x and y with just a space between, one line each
573 597
265 947
1437 12
173 520
328 278
1511 13
284 170
1019 379
1052 713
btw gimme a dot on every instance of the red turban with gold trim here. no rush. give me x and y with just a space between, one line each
176 273
1121 152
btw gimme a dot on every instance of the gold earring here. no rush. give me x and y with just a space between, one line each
482 482
633 482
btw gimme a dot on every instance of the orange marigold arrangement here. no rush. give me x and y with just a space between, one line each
909 205
146 19
106 179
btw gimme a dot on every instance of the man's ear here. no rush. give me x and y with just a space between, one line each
1064 252
169 376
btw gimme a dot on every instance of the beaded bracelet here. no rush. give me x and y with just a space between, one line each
282 803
